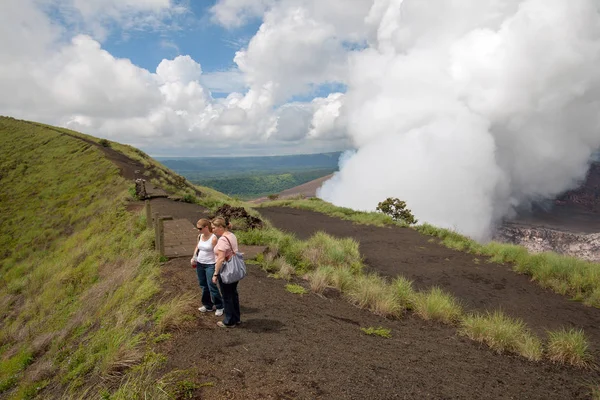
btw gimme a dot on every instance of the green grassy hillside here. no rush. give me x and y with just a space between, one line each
77 270
253 186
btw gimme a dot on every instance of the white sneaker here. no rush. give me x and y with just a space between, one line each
204 309
219 312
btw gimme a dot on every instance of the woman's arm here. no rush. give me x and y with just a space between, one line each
218 264
195 249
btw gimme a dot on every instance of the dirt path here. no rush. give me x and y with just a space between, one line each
478 284
309 347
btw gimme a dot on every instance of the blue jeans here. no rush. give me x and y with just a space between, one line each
210 291
232 302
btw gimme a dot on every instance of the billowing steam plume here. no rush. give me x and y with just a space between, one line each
469 109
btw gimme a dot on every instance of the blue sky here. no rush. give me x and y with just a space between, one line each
196 35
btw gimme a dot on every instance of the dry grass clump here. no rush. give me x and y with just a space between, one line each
177 314
125 358
318 280
342 279
373 293
437 305
502 334
569 347
284 269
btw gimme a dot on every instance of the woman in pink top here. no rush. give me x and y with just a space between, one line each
226 246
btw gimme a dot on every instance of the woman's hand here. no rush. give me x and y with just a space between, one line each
214 279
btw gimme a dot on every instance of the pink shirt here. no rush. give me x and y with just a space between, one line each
223 245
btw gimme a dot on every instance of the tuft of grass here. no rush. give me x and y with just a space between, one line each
569 347
324 249
296 289
284 269
379 331
373 293
176 314
404 292
318 279
342 279
162 338
502 334
437 305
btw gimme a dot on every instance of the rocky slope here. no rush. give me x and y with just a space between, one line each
540 239
570 227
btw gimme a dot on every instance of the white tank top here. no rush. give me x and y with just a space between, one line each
206 255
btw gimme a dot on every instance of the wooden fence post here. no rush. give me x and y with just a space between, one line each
161 234
148 214
156 233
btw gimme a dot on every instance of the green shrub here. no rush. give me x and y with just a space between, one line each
104 143
396 209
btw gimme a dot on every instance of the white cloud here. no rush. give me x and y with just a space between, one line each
96 17
469 115
224 81
235 13
292 52
465 115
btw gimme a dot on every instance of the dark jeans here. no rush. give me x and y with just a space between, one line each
210 291
232 302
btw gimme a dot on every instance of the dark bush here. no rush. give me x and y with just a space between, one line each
396 209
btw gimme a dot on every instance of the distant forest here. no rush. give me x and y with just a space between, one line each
251 177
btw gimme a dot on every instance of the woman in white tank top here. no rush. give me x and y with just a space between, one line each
204 257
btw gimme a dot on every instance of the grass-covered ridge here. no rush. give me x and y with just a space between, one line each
77 270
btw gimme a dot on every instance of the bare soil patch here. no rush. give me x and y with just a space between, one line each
310 347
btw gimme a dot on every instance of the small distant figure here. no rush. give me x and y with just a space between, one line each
224 250
204 256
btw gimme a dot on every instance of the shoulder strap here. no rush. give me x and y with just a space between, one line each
230 245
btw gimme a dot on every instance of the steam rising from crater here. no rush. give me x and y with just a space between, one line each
467 109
